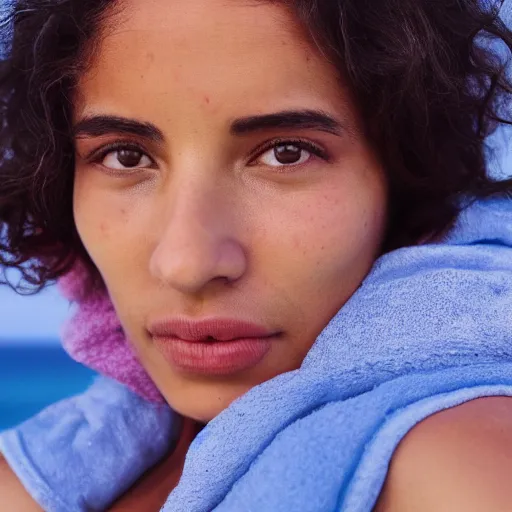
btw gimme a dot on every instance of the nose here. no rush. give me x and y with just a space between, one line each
197 243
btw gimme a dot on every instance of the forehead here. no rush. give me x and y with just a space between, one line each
230 54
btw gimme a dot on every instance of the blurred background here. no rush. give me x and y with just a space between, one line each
35 371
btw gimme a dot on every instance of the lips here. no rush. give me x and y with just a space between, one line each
211 346
209 329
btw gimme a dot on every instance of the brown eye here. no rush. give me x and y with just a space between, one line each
128 158
287 154
290 153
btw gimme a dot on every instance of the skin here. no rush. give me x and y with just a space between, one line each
458 459
208 225
13 492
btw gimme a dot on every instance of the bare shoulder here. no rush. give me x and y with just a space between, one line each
13 492
457 459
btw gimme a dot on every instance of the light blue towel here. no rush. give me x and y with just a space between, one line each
81 453
430 328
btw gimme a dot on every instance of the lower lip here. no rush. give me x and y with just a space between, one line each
214 357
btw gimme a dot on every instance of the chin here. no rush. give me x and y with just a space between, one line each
200 414
204 402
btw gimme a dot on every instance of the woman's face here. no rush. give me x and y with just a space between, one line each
222 172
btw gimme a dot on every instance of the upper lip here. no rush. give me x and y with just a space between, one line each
221 329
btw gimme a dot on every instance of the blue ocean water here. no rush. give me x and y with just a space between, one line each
34 376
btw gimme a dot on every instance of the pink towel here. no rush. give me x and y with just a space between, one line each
95 338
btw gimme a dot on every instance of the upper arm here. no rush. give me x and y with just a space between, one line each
457 459
13 492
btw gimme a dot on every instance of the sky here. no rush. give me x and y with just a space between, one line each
29 319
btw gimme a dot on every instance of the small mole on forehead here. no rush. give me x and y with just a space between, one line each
207 99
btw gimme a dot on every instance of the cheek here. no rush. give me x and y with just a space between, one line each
101 222
327 251
334 231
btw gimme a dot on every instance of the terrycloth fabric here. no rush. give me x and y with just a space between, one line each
95 338
431 327
80 454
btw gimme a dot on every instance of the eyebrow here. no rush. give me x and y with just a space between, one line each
289 119
97 126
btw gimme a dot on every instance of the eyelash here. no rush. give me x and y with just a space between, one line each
99 155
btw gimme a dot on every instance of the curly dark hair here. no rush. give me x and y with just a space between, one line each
429 77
